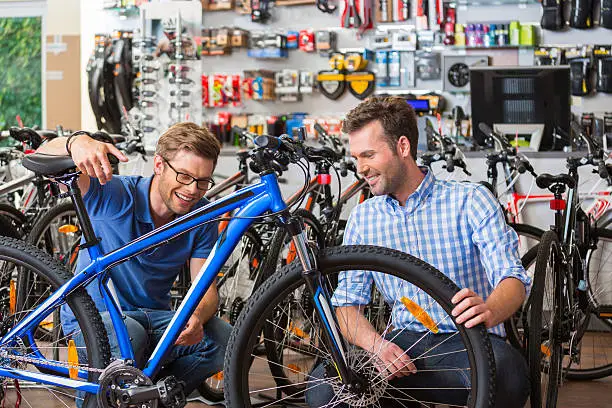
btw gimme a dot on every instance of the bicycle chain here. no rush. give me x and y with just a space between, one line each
35 361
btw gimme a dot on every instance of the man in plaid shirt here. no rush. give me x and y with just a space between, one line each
458 228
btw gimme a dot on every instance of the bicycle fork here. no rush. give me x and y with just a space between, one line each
322 301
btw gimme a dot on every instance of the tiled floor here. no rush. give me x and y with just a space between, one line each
592 394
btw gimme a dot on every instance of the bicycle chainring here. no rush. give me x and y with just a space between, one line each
365 365
118 377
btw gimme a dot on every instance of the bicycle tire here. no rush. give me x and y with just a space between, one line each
516 326
384 260
41 230
17 218
7 229
599 329
212 388
281 236
85 311
548 252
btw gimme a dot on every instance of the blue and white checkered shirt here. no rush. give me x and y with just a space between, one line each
457 227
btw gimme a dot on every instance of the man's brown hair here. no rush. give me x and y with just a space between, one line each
395 115
191 137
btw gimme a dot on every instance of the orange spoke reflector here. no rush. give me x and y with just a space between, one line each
294 368
68 228
255 262
12 297
73 360
297 331
218 376
545 350
420 315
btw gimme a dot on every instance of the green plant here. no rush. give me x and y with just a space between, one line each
20 72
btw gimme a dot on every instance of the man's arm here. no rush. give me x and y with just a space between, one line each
90 156
505 299
358 330
194 330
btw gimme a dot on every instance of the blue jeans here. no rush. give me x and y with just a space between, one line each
512 375
191 364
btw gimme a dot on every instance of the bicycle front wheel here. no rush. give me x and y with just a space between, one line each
284 302
42 349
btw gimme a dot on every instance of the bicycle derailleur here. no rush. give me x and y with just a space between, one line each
125 386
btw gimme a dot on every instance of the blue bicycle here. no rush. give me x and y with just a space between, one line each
292 312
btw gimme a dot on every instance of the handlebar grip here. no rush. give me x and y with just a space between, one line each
576 128
450 164
484 128
269 142
320 129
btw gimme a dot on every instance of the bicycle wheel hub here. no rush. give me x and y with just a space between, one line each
370 385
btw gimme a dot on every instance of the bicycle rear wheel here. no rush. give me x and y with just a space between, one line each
41 349
283 301
596 342
545 347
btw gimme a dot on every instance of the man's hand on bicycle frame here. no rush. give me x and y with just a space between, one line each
91 157
471 309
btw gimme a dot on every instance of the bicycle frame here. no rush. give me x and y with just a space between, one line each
251 201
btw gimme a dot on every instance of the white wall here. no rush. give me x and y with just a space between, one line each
63 17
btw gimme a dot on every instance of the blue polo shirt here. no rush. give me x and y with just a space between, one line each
120 212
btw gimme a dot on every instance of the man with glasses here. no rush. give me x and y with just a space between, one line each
123 208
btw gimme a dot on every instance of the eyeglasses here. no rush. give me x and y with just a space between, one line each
186 179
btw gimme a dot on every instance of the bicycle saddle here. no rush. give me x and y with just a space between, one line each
48 164
546 180
26 135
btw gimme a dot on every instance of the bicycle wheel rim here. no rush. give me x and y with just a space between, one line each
248 329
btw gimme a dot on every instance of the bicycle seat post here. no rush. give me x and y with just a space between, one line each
74 192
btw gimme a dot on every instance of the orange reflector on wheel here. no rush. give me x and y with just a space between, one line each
255 263
218 376
73 360
12 297
557 205
421 315
294 368
297 331
68 228
545 350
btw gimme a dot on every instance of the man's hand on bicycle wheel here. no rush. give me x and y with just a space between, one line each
395 360
471 309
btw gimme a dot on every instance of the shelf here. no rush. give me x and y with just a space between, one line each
488 3
497 47
124 11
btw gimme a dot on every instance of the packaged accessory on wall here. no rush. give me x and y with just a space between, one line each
605 14
394 68
581 70
603 59
382 68
380 40
384 11
548 56
552 15
428 65
361 84
306 40
287 85
355 61
306 82
292 40
331 84
403 40
325 41
581 14
350 16
408 78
